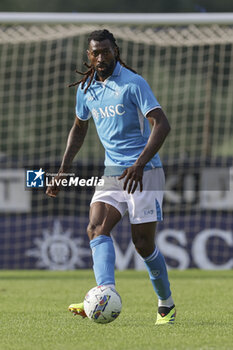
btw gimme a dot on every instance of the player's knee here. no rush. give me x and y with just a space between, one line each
139 243
91 229
143 246
94 230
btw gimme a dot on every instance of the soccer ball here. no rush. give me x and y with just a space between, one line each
102 304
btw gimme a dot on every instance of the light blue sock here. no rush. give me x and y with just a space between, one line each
103 255
157 269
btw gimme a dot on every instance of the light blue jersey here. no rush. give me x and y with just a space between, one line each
119 106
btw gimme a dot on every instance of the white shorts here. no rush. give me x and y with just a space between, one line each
145 206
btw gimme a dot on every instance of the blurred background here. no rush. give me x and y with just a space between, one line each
119 6
189 66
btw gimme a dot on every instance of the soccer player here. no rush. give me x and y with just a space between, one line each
122 104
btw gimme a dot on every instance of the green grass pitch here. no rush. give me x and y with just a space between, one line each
34 312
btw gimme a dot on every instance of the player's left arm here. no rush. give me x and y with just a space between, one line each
160 129
159 132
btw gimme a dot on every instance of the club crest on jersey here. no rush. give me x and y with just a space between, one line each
108 111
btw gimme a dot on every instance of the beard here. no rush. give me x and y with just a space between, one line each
105 70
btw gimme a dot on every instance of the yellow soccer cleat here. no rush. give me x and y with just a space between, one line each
77 309
166 317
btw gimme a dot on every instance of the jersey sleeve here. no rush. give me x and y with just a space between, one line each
81 109
142 96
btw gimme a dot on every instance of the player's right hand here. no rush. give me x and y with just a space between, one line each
53 188
52 191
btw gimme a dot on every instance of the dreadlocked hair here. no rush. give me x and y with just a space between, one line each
98 35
